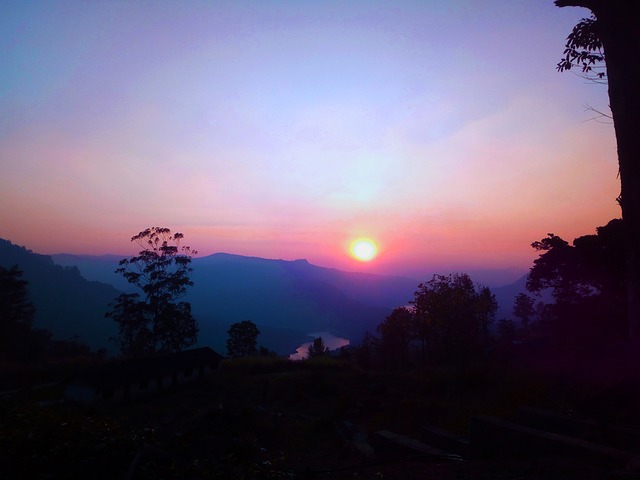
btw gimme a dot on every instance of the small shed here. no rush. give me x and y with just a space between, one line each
141 377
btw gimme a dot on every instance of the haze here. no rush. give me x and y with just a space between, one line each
286 129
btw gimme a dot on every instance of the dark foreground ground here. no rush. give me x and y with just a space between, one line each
274 419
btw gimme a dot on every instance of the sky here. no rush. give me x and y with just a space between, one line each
440 129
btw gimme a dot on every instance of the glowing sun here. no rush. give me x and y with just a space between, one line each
364 249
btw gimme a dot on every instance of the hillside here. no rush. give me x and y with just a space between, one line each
267 418
286 299
506 294
66 303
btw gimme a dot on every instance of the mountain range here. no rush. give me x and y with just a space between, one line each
287 300
66 303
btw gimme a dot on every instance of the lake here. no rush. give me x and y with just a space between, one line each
330 340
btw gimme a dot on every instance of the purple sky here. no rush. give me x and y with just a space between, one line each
285 129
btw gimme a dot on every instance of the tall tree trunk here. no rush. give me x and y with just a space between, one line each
618 24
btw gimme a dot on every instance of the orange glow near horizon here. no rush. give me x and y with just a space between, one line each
315 135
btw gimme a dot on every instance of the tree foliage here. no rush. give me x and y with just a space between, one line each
16 309
19 341
593 265
614 28
506 331
587 282
452 316
317 348
396 333
243 339
161 270
17 338
449 317
524 309
584 50
366 354
156 322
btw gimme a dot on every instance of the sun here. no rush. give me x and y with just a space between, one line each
364 249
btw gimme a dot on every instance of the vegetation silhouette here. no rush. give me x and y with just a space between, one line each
157 323
584 50
317 348
506 332
587 282
291 427
612 36
452 317
396 334
67 305
446 322
524 310
17 338
263 416
243 339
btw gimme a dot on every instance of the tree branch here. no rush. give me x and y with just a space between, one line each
600 114
576 3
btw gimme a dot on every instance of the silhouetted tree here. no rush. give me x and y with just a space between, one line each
485 311
614 31
584 50
367 352
265 352
18 340
345 353
16 309
156 322
243 339
524 310
317 349
72 348
452 316
396 333
587 281
506 331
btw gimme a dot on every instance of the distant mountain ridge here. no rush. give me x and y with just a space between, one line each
506 296
288 300
376 290
66 303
